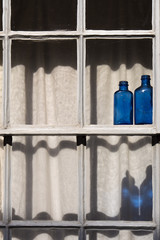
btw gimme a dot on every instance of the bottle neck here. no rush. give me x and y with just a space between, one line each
145 80
123 85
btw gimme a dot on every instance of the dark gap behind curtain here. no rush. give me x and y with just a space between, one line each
119 14
40 15
117 52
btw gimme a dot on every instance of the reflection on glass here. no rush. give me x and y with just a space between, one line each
44 234
119 235
119 178
44 178
119 15
43 15
44 83
107 63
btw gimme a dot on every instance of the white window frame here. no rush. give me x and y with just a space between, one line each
81 35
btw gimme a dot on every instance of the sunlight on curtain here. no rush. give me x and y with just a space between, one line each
44 83
119 178
45 172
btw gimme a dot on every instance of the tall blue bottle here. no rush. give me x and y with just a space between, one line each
123 105
143 102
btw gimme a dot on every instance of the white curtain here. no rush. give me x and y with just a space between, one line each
118 169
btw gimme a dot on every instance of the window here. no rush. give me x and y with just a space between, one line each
66 171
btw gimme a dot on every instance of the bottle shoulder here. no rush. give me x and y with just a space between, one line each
143 89
122 92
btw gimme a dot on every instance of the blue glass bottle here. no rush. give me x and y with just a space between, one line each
123 105
143 102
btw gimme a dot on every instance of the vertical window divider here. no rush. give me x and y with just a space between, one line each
7 186
81 147
7 147
156 64
156 115
156 190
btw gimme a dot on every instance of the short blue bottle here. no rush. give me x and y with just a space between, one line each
123 105
143 101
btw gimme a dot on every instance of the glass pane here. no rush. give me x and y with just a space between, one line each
44 234
44 83
119 15
119 178
43 15
108 62
119 235
44 178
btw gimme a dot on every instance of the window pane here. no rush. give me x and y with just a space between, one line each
44 178
44 234
119 15
43 15
119 235
44 83
108 62
119 178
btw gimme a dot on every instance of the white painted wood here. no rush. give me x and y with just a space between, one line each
156 190
80 31
130 33
80 80
7 186
156 64
6 18
133 225
81 215
90 130
41 223
6 79
117 225
156 115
